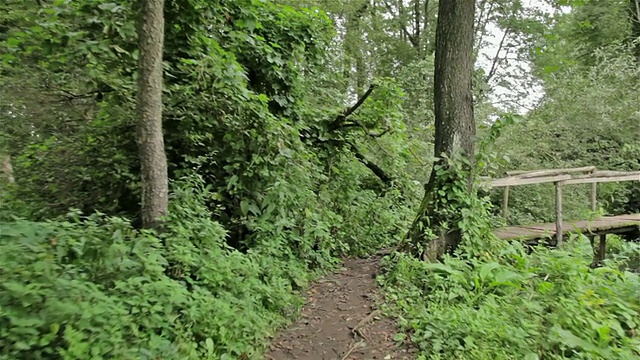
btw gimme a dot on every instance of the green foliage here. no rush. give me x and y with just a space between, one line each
248 103
574 36
544 305
243 108
95 287
493 300
253 96
588 118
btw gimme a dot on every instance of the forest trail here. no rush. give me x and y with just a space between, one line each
340 320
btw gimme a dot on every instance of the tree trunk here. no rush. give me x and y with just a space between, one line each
355 48
634 15
455 128
153 159
7 169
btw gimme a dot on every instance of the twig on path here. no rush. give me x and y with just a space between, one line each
357 332
351 349
356 329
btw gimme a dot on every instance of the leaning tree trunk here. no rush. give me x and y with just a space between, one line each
155 187
455 130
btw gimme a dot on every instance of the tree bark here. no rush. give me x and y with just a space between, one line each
454 123
634 15
153 159
7 169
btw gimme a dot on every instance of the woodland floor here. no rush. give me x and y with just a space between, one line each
340 320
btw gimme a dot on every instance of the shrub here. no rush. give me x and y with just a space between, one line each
94 287
547 305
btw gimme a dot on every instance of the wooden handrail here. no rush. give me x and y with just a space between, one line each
559 177
514 181
550 172
596 179
593 177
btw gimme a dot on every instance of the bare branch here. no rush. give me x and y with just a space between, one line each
380 134
416 17
340 119
482 26
377 170
414 42
497 59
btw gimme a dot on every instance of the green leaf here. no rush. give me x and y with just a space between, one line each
209 344
244 207
569 339
118 49
505 276
112 7
253 208
486 269
440 267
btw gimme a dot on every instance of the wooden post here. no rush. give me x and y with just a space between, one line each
559 233
600 253
603 248
594 189
505 203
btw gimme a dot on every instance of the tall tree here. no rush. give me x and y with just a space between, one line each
455 127
155 187
7 168
634 14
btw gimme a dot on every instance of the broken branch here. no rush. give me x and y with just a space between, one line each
340 119
377 170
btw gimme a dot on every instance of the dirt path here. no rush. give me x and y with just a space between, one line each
340 321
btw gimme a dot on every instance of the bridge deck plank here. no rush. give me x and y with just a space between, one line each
603 225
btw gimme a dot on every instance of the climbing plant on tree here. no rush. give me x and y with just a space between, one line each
435 229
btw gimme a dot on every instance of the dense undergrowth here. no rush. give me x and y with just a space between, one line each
94 287
495 300
270 184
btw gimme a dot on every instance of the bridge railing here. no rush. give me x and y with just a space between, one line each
559 177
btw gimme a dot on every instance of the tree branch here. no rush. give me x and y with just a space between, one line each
377 170
425 26
416 17
414 42
340 119
496 59
479 32
380 134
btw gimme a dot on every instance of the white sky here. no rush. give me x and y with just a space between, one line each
524 92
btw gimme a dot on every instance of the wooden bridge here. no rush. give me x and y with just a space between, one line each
554 233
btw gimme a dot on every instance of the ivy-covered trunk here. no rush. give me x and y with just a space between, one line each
434 231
